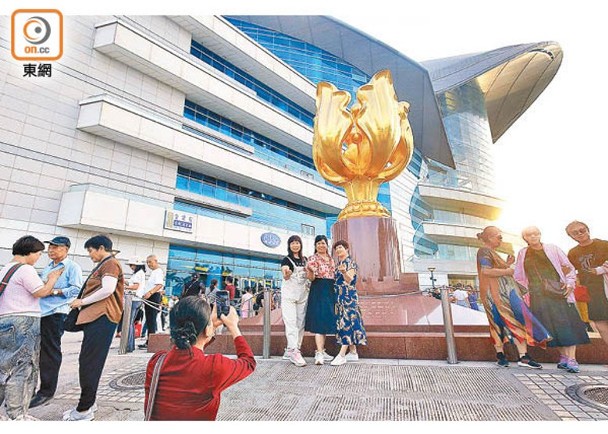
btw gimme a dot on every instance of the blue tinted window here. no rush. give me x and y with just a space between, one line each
310 61
267 210
183 261
266 149
263 91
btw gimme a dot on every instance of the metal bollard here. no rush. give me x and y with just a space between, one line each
266 343
126 319
449 326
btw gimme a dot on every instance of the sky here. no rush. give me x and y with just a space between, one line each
550 163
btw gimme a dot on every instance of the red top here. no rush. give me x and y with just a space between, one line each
231 291
189 385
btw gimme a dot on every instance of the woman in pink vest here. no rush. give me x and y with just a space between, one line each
538 266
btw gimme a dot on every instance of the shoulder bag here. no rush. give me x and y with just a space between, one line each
549 287
11 271
154 386
69 324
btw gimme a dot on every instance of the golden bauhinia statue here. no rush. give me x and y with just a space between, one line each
361 149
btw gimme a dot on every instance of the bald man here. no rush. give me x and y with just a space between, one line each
154 285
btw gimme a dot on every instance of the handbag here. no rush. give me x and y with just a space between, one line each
154 386
581 294
69 324
549 287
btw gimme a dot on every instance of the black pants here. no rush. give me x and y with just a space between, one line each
96 343
51 330
151 312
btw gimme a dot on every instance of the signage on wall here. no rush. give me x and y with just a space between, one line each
179 221
270 240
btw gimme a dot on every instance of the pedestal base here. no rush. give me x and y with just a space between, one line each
374 245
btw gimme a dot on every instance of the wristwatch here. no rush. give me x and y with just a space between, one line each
55 292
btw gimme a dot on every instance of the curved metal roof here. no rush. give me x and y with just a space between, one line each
411 79
510 77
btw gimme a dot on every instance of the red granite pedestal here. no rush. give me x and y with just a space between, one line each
374 246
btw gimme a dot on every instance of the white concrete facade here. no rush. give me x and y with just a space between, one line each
96 147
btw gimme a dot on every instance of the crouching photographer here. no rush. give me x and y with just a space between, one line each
184 383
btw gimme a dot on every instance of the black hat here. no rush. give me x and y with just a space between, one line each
60 241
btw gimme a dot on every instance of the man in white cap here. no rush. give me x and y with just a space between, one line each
54 309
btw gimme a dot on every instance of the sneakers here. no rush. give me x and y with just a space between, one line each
528 362
573 367
38 400
295 357
26 417
563 362
502 360
327 357
319 360
74 415
352 357
286 354
339 360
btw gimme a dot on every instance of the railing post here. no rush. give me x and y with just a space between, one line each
449 326
126 319
266 342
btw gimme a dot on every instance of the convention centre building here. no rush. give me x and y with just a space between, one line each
190 137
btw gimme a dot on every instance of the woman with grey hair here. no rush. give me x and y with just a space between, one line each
545 271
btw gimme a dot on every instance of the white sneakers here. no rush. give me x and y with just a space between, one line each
338 360
22 417
352 357
319 359
74 415
295 357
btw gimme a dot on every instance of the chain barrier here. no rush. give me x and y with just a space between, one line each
129 298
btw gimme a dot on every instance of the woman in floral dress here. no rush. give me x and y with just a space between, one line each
509 317
349 322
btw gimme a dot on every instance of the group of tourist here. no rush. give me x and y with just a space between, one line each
35 310
530 301
320 297
29 345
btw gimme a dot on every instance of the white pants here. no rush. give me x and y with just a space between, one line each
293 308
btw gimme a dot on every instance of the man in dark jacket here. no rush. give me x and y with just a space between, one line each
194 287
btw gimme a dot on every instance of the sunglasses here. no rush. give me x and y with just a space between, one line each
579 231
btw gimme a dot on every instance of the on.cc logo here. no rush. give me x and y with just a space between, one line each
36 30
37 34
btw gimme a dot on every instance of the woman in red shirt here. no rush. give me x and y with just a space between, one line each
190 381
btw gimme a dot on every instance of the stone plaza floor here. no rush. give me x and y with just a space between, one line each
367 390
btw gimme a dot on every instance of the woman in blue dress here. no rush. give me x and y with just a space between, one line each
349 321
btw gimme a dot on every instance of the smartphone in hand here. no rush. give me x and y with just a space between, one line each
222 301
